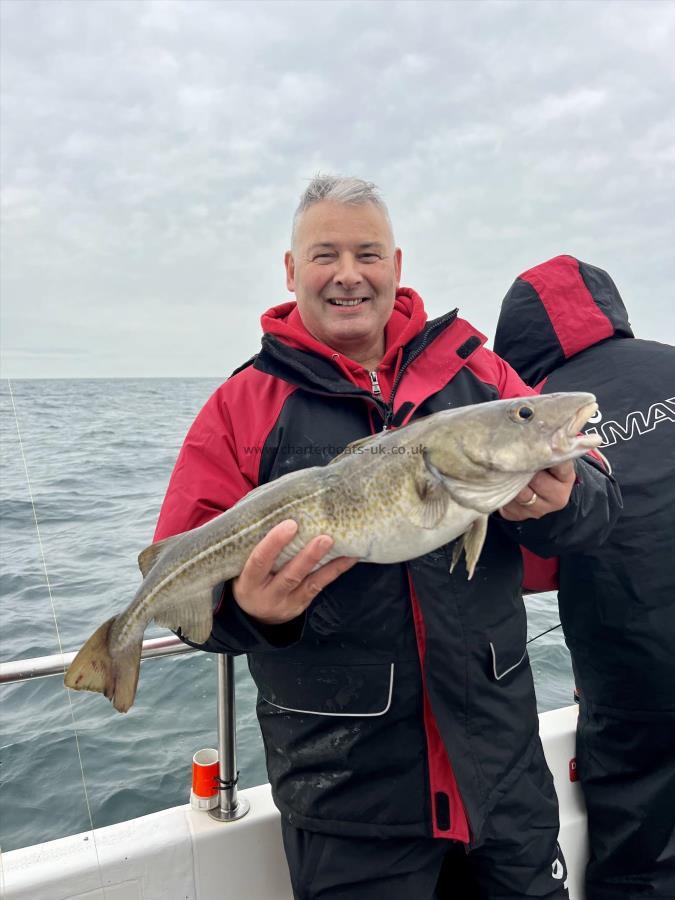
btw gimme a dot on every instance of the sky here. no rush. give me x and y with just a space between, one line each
153 153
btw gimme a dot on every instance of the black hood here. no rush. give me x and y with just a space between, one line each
554 311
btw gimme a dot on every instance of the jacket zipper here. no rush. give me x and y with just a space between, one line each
375 383
357 392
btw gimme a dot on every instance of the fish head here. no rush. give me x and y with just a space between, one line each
524 434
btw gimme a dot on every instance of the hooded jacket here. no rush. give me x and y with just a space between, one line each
563 326
401 703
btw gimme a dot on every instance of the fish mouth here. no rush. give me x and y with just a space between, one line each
570 439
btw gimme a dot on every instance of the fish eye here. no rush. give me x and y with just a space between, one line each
521 412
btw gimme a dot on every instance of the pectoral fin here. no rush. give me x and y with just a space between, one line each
471 542
194 617
433 496
486 495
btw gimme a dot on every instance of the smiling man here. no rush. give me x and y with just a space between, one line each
396 701
345 283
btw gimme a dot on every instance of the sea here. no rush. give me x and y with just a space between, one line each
84 467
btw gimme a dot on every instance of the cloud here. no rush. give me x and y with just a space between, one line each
152 160
572 105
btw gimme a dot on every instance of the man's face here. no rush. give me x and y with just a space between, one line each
344 270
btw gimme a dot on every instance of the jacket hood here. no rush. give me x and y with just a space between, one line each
554 311
407 319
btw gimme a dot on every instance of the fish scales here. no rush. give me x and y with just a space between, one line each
387 498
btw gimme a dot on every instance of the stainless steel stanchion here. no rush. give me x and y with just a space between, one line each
230 808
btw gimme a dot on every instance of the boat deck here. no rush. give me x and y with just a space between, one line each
183 854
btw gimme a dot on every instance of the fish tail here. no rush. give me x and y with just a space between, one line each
95 668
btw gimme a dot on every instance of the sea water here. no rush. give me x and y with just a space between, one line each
96 456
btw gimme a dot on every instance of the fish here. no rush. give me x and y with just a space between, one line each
387 498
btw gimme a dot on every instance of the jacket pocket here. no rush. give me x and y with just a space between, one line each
357 690
508 646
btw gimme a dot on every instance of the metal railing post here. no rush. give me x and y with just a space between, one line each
230 807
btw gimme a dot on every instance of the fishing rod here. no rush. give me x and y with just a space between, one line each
537 636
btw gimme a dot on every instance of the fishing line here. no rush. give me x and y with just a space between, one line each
536 637
58 638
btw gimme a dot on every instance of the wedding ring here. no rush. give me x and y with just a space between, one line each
533 499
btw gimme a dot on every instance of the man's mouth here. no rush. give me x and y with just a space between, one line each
347 301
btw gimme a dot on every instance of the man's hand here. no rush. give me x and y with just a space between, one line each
548 492
275 598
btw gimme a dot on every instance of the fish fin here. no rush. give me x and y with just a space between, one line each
96 669
295 546
355 446
193 616
148 557
290 550
433 495
484 497
471 542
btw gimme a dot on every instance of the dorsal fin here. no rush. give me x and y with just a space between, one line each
148 557
355 446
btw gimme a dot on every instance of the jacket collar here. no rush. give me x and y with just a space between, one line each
407 320
421 372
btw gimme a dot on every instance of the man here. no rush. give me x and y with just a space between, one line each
563 326
396 702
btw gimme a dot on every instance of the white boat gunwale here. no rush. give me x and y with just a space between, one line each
183 854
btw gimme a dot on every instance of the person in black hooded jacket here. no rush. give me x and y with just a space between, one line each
563 326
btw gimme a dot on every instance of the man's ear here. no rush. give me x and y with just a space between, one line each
289 262
398 264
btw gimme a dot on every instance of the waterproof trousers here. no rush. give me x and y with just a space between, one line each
518 856
626 764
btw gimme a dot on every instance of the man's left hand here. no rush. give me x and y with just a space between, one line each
548 492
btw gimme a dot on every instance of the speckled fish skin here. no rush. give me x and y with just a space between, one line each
386 499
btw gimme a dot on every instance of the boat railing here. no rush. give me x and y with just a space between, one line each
230 807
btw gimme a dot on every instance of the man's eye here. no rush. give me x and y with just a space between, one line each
370 257
322 257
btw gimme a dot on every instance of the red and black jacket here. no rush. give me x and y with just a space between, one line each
563 326
401 703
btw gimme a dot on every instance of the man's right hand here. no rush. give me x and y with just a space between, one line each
277 597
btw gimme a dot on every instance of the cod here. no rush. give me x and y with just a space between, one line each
387 498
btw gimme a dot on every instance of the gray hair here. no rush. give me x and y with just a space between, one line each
340 189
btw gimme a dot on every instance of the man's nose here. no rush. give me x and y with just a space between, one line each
347 273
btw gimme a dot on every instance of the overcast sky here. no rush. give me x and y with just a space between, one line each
153 153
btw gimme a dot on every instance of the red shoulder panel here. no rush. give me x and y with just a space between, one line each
220 458
438 364
576 318
492 369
